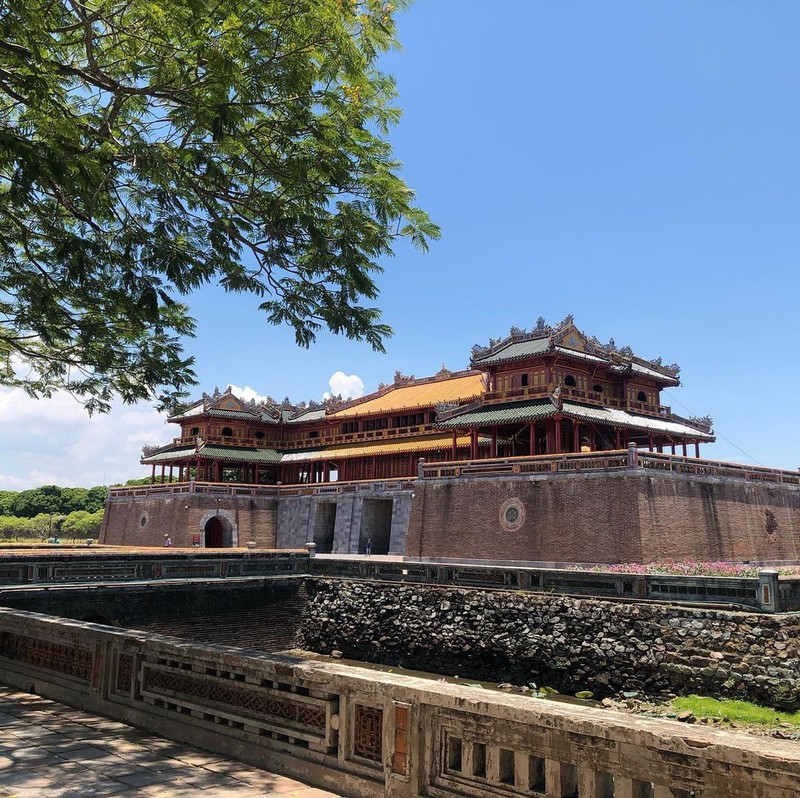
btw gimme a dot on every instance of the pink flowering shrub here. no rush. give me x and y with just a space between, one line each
688 568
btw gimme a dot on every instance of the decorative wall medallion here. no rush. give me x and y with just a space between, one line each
512 514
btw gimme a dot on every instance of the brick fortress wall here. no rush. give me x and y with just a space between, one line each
344 520
632 516
143 520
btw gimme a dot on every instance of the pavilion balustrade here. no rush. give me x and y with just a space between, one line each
588 397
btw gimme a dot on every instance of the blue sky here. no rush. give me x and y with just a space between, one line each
632 163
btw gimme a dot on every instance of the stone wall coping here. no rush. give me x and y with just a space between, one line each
611 473
149 553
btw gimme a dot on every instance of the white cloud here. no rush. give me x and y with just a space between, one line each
54 441
350 386
247 393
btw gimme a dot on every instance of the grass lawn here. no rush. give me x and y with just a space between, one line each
735 711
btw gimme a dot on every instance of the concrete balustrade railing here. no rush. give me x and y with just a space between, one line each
368 734
605 461
221 489
768 592
54 567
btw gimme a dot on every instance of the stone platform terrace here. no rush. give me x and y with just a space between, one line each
49 749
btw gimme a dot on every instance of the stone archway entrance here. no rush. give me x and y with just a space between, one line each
218 533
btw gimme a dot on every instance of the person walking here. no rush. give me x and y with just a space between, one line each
369 546
167 541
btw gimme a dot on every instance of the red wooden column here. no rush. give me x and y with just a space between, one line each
493 452
163 468
557 436
217 471
197 474
616 438
455 448
473 444
672 444
533 438
650 440
684 448
326 473
660 445
576 436
697 448
153 475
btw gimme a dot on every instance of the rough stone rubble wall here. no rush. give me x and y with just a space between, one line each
568 643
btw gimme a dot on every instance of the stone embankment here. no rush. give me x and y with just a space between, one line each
571 644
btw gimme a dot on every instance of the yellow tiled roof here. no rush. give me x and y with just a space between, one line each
411 397
421 444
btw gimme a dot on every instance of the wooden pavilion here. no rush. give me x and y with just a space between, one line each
547 391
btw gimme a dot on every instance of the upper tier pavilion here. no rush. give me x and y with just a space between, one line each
546 392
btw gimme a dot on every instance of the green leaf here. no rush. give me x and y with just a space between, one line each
166 144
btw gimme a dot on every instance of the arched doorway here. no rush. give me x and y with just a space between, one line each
218 533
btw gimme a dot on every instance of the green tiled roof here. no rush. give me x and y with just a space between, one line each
515 351
574 353
305 415
501 414
621 418
170 454
240 454
301 455
638 368
221 413
196 409
236 454
522 412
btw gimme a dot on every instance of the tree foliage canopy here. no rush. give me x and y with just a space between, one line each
148 147
53 500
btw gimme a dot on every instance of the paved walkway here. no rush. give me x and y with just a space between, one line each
48 750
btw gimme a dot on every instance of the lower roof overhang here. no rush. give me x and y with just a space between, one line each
235 455
230 454
540 409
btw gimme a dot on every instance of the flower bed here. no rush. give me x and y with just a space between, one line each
686 568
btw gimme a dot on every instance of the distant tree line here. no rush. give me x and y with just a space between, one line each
51 500
54 512
51 511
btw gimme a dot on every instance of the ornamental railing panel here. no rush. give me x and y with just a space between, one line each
281 711
383 734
